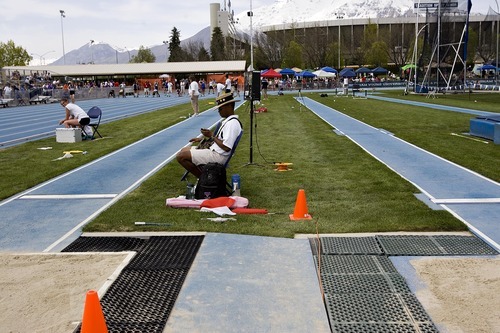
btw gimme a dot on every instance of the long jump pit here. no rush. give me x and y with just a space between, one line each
45 292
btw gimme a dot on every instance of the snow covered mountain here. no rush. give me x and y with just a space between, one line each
289 11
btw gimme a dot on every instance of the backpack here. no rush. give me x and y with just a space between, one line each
212 182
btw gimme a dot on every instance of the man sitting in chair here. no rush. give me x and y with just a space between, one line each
191 158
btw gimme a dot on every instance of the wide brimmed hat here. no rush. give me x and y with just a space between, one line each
224 99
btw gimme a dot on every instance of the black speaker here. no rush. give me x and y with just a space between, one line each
256 85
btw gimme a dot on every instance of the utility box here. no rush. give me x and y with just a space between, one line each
68 135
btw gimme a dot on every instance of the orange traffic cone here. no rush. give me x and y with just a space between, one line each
93 317
300 211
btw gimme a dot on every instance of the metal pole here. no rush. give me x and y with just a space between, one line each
91 52
339 17
250 14
496 62
166 53
63 15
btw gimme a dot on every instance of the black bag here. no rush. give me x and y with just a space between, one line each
212 182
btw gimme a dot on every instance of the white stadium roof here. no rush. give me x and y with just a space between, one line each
134 69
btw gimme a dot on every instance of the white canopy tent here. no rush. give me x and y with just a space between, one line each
323 74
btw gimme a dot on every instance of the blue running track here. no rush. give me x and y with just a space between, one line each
470 197
50 216
25 123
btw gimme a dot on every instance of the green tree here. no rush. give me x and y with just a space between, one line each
203 54
174 46
332 57
12 55
217 45
293 55
377 55
143 55
472 45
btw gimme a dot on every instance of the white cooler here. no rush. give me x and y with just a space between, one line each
68 135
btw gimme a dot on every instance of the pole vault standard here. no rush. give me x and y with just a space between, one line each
444 48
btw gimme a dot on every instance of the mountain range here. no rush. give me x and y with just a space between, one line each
281 11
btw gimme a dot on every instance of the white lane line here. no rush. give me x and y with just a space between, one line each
67 196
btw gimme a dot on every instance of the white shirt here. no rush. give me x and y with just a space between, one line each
228 133
7 91
194 89
76 112
228 83
220 87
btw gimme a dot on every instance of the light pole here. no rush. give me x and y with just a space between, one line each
166 53
128 53
339 17
497 36
63 15
42 59
250 14
91 52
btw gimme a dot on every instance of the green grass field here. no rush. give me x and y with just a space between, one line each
347 190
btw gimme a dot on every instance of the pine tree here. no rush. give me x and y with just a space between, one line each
217 45
174 46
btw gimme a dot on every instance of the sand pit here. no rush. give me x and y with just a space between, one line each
462 293
45 293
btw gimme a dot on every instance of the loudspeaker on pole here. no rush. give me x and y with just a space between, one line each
256 85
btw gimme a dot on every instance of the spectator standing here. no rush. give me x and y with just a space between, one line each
264 88
72 88
7 91
228 84
220 89
194 93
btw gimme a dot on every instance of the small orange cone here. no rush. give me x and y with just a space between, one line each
300 211
93 317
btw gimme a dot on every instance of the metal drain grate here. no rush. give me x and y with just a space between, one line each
350 245
379 328
355 264
365 308
364 283
105 244
142 297
161 253
464 245
409 245
376 308
433 245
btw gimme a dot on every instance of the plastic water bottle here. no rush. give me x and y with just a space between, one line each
190 189
236 185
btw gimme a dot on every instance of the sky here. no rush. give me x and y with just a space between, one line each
125 24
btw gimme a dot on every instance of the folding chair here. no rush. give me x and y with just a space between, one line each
94 114
226 164
20 100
